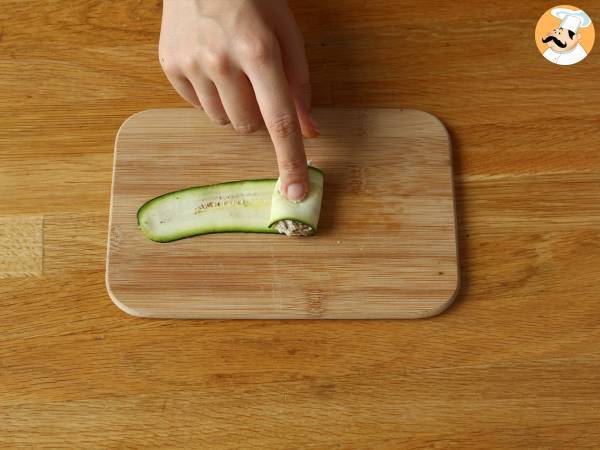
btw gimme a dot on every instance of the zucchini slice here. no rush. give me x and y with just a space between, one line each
251 206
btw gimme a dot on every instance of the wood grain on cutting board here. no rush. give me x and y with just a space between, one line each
386 245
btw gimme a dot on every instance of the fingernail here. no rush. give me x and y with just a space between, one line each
313 123
295 192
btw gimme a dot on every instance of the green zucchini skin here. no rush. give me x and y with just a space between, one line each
247 206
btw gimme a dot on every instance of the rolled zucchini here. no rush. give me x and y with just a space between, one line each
251 206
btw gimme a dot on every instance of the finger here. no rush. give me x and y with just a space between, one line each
309 126
209 98
184 88
265 72
295 65
239 102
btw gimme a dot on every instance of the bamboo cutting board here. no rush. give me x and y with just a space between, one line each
386 244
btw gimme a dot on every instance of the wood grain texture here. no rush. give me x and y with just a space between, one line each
21 246
386 246
513 363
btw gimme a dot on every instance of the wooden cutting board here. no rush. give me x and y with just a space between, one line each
386 244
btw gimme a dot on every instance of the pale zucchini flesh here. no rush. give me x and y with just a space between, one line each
307 211
251 206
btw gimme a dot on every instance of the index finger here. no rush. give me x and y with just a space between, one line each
279 114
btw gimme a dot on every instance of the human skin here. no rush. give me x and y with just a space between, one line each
243 62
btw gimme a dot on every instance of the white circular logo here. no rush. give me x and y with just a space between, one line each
565 35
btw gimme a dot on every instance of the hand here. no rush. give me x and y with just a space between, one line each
243 62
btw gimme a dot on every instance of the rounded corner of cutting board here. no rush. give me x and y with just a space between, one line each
435 122
133 119
442 307
120 304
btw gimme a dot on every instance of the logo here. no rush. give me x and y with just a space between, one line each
565 35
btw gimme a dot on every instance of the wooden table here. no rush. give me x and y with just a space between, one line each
514 363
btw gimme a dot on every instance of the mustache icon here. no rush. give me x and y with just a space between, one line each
555 40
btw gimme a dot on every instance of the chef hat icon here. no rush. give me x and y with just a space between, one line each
572 19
